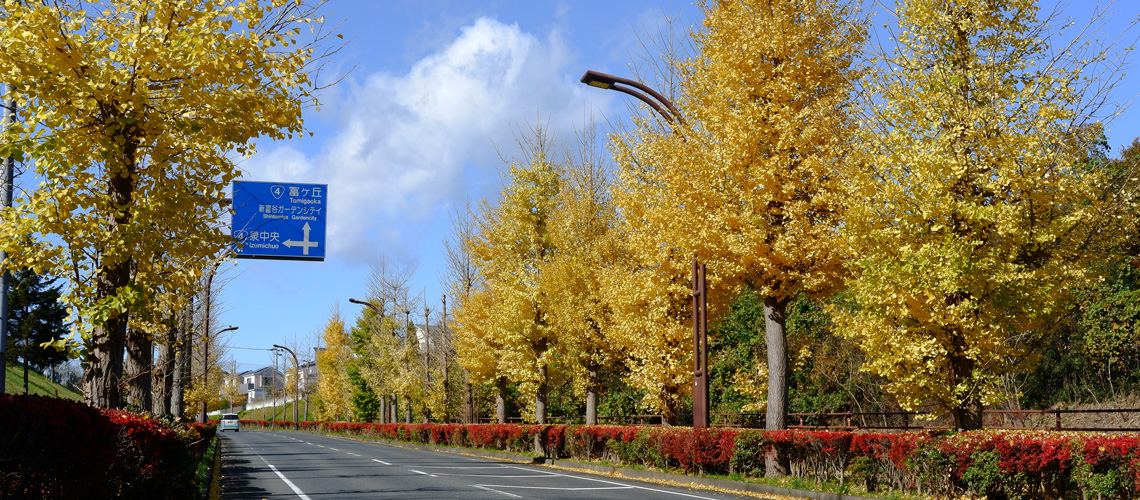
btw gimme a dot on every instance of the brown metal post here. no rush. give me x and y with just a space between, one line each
705 352
700 349
696 342
445 357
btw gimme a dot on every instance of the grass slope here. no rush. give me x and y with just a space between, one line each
282 414
37 384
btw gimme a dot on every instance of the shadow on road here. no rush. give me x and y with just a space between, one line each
236 472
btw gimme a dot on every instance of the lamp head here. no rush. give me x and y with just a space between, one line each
599 80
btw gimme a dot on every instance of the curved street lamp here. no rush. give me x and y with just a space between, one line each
700 322
206 367
296 380
385 405
611 82
367 304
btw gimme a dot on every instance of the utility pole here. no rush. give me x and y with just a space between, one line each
9 120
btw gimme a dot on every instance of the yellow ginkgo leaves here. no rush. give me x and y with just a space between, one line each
130 119
976 208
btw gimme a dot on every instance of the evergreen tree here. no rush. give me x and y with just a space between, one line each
35 316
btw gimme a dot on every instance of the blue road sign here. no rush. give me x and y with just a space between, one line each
279 220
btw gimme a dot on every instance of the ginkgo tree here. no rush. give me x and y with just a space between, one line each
512 252
334 358
132 114
975 211
575 277
747 183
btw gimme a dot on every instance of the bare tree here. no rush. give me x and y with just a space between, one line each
460 276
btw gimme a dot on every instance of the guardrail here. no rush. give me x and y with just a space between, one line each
875 420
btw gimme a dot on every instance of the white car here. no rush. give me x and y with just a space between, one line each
229 422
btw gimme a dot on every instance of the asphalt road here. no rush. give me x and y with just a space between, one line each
268 464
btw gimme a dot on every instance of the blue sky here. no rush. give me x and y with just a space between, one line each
434 95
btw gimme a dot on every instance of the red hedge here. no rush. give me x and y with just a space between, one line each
1031 465
54 448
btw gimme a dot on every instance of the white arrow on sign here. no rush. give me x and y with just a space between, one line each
305 244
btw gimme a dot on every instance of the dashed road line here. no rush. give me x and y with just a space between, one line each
512 495
655 490
381 461
288 483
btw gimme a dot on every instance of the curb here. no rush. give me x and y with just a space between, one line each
706 482
213 481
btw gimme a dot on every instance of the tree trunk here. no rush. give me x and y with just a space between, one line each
540 410
140 359
181 372
383 409
103 377
407 412
178 382
164 371
592 395
25 370
104 369
669 413
501 400
968 414
446 391
469 416
540 397
777 341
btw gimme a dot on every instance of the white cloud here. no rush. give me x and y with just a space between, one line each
404 143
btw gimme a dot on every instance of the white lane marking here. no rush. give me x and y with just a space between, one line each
331 448
292 486
457 467
353 454
424 473
496 491
599 488
616 484
489 475
381 461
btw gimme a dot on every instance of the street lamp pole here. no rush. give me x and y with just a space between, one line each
206 360
386 414
296 382
700 322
